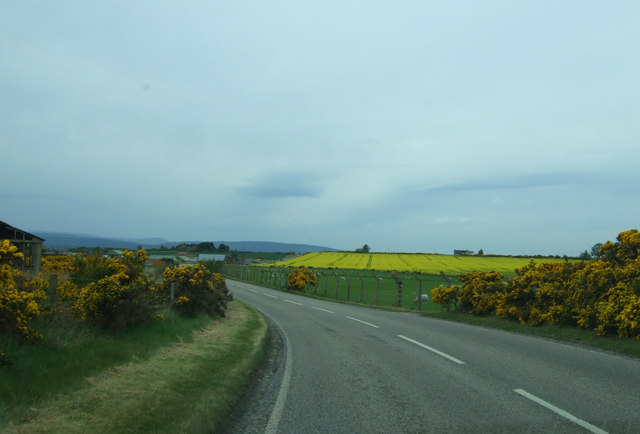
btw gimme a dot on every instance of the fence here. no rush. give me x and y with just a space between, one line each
379 288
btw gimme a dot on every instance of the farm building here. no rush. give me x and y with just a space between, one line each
211 257
463 253
28 244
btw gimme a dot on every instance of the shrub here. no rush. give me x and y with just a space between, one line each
299 278
116 301
59 264
93 268
197 290
480 291
446 296
20 295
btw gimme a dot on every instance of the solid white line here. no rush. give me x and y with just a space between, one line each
293 302
561 412
269 295
319 308
364 322
278 407
426 347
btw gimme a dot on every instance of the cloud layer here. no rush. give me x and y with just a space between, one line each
409 127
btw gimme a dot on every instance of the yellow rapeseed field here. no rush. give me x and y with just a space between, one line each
411 262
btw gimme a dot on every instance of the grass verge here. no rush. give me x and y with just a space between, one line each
186 386
577 335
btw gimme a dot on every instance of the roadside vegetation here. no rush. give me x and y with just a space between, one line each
104 347
602 295
593 301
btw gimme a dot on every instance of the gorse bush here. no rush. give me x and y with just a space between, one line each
446 296
197 290
480 291
92 268
601 295
59 264
299 278
20 295
120 300
106 294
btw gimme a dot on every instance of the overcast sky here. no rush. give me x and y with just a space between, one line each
417 126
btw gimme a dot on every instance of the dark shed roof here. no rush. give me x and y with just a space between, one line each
8 232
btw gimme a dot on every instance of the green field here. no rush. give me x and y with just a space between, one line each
411 262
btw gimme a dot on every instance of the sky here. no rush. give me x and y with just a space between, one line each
412 126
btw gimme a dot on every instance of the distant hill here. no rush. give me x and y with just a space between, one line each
269 246
61 241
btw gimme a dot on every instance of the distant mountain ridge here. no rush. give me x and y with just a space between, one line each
61 241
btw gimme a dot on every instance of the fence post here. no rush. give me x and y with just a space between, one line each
53 286
326 282
348 286
315 287
399 290
419 291
172 296
377 288
361 288
337 283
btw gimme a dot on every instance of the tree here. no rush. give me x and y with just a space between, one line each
595 250
206 246
223 247
585 256
363 249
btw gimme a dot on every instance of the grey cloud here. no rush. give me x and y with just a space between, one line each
283 186
518 182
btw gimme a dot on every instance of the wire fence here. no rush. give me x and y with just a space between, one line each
371 287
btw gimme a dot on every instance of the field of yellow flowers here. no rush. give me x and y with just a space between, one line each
409 262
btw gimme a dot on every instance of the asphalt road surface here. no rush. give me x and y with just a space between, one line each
337 368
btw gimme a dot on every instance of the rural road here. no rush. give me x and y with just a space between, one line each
345 368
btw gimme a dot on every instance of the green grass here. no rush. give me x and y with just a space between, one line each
177 375
577 335
351 292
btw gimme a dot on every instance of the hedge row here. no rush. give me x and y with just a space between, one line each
602 294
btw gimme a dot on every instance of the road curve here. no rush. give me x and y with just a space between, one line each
353 369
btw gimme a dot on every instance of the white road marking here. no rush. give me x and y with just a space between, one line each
278 407
252 290
364 322
293 302
269 295
561 412
319 308
426 347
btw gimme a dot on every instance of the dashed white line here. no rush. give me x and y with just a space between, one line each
252 290
561 412
433 350
364 322
324 310
292 302
269 295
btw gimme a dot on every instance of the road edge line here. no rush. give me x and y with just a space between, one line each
278 407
